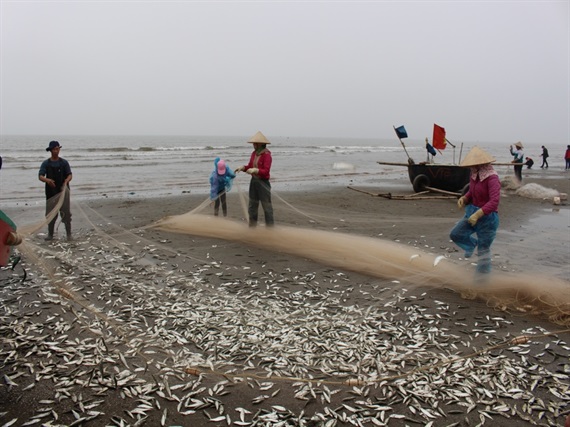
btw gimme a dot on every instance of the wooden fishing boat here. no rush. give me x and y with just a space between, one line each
449 178
431 176
443 178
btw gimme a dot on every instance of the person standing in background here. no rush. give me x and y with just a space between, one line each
220 183
481 205
259 168
567 157
518 154
544 156
56 173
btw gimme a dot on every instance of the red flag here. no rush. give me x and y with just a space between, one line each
438 139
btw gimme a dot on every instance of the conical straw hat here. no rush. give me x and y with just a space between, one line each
519 145
259 138
477 156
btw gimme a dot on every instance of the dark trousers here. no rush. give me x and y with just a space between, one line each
221 199
260 191
518 172
544 162
64 212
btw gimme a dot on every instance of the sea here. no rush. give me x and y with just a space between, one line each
152 166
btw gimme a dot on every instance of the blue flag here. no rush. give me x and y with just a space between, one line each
401 132
430 149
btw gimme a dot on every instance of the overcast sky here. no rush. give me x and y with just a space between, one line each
484 70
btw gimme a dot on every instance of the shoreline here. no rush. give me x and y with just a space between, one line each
389 176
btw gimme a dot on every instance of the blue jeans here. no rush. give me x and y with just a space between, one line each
486 231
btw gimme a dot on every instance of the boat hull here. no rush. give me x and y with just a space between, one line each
444 177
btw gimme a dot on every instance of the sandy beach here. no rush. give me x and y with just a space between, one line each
132 325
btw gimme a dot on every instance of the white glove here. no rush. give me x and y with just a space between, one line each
240 169
252 171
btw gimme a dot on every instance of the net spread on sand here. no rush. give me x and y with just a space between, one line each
523 293
386 260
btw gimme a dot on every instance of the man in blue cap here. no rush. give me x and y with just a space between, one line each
56 173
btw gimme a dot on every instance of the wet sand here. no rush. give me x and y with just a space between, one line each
122 315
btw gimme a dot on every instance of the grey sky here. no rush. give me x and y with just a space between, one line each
486 71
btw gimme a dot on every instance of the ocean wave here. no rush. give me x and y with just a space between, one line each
106 162
116 149
145 148
195 148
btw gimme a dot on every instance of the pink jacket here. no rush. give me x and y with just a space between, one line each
485 194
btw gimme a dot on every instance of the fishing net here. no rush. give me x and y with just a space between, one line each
320 237
390 261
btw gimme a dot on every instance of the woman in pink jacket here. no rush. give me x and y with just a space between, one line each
481 203
259 168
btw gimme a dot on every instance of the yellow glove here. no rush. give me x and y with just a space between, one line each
475 217
461 202
252 171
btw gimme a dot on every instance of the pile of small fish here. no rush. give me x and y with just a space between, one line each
117 335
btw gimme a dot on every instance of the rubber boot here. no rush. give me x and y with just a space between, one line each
50 232
68 231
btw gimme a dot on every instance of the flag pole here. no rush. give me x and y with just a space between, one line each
449 142
410 161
